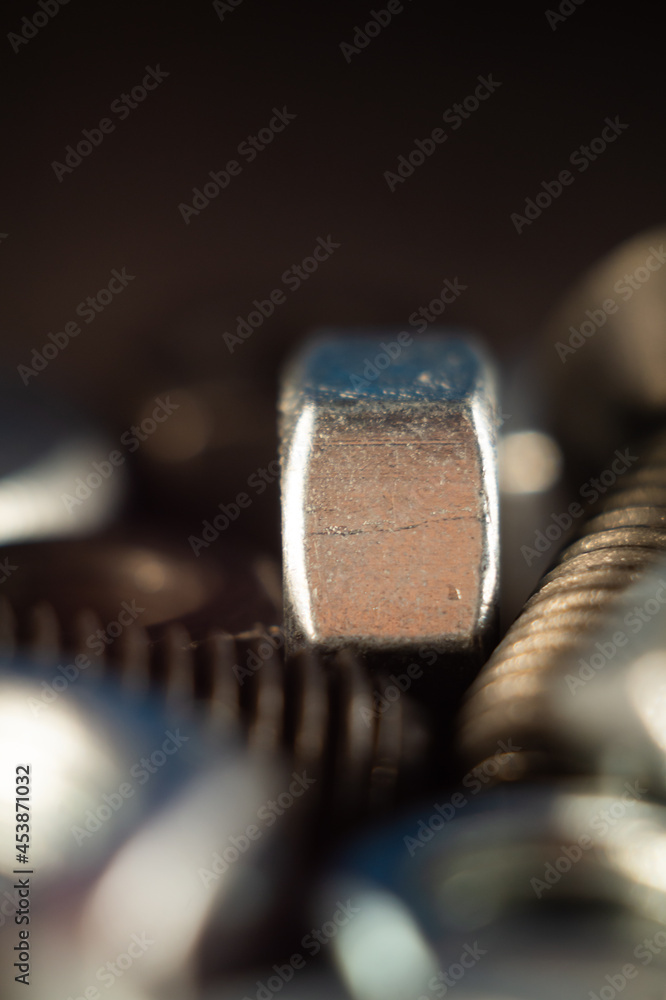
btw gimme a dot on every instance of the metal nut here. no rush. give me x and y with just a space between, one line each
389 494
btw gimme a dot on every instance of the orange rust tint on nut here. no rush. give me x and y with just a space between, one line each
387 522
389 497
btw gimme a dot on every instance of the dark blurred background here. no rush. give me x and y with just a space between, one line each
227 70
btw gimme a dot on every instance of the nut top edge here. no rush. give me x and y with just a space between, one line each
446 364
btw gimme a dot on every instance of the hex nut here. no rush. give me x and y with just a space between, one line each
389 493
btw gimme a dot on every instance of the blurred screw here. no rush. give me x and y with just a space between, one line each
598 373
594 375
322 716
577 601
